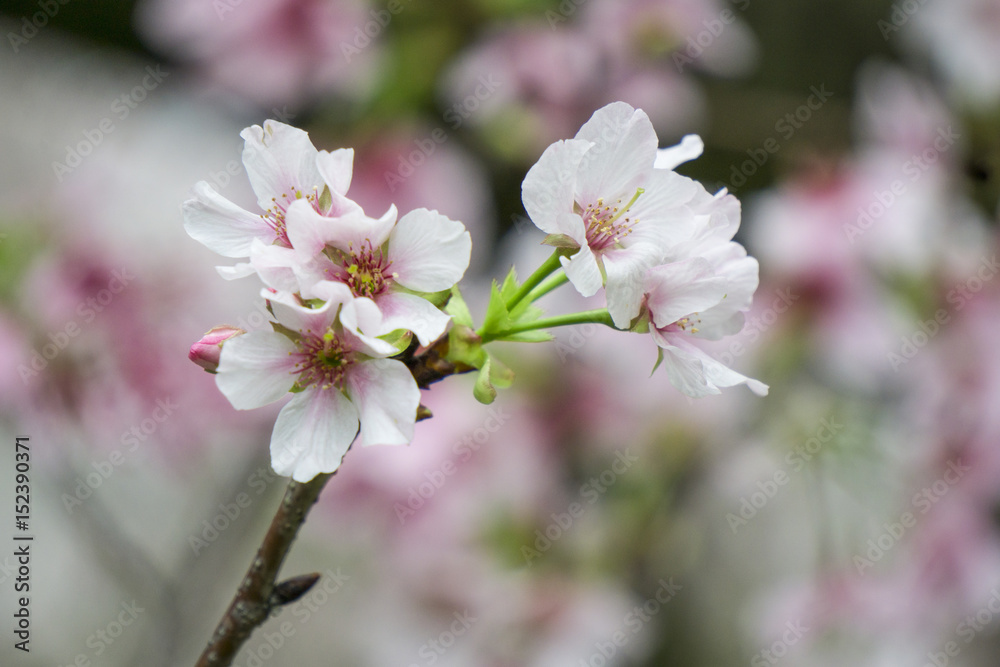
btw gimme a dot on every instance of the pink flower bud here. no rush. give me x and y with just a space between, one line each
206 352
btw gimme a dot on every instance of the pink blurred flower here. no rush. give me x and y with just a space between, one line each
272 52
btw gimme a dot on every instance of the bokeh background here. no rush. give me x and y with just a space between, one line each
592 515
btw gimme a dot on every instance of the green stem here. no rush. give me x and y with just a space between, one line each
601 316
540 274
549 285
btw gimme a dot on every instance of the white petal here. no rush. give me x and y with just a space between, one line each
726 318
622 155
363 320
413 313
292 314
279 159
661 212
387 398
275 265
690 148
695 373
336 168
548 189
429 251
312 433
255 369
221 225
680 289
583 271
309 232
241 270
626 272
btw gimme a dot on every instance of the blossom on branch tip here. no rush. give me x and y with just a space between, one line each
601 196
332 361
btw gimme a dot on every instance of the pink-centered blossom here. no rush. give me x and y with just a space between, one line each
338 370
383 259
283 167
602 196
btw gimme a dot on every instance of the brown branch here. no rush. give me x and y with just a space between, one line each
256 597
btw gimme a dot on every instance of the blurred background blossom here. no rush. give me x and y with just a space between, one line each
592 515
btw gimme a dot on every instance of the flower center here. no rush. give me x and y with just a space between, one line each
322 361
365 271
608 224
275 215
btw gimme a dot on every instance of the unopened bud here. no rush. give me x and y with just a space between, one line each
206 352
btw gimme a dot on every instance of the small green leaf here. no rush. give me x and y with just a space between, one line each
510 285
534 336
497 318
458 309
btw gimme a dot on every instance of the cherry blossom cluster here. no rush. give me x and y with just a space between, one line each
657 242
351 293
347 292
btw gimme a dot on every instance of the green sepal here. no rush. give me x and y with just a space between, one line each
325 199
561 241
285 331
465 347
659 360
399 339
